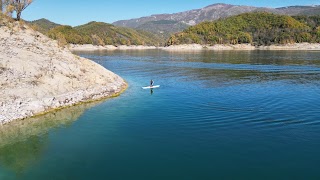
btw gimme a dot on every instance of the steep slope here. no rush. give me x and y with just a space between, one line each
36 75
42 25
298 10
214 12
111 34
67 34
99 33
163 28
259 28
191 17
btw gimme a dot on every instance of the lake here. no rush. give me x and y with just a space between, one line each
217 115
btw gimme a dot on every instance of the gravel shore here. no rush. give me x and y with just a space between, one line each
90 47
198 47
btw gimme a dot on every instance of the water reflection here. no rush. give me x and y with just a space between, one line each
220 57
252 114
22 143
216 68
221 77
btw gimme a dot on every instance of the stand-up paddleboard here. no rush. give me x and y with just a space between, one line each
151 87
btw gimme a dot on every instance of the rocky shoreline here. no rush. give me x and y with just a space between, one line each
23 108
194 47
198 47
90 47
218 47
38 76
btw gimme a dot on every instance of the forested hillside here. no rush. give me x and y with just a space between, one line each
259 28
311 21
97 33
163 28
42 25
209 13
103 33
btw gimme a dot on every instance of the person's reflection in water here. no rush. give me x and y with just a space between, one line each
151 91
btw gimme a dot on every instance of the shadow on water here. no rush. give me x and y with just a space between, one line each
23 142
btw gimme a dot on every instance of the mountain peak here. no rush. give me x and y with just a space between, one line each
218 5
210 13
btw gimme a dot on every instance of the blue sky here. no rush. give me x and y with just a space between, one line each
75 12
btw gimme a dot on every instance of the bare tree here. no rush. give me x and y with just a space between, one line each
1 6
19 6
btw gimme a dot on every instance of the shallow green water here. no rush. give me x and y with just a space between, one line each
217 115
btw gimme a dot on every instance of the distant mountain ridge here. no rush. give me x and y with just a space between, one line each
210 13
156 29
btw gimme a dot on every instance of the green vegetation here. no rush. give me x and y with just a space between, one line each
99 33
42 25
314 23
163 28
259 28
68 34
103 33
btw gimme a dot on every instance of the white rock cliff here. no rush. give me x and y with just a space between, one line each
36 75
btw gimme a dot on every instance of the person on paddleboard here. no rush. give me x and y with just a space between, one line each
151 83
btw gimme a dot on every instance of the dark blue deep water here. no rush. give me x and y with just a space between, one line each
217 115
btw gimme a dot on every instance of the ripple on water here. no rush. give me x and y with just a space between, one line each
235 110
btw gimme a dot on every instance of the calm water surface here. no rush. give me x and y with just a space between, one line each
217 115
